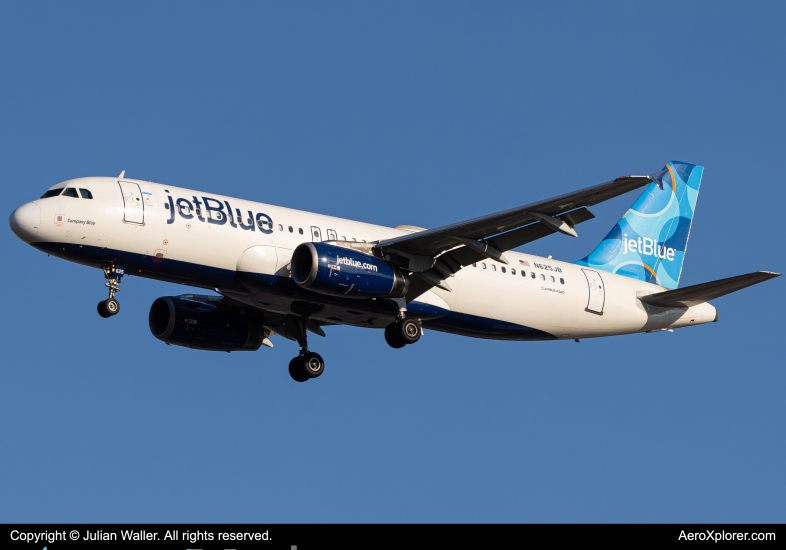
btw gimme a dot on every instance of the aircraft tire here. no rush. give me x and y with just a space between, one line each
101 311
408 330
313 365
296 370
112 306
392 337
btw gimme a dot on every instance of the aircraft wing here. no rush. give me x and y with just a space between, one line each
434 241
436 254
704 292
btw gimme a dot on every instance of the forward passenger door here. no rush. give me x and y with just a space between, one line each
133 206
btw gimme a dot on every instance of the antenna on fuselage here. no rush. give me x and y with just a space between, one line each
122 174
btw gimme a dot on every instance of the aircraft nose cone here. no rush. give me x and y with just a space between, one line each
24 221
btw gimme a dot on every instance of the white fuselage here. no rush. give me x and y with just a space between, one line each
130 224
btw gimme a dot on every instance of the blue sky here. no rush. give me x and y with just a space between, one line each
399 113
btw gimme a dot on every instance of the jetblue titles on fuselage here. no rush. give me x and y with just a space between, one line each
215 214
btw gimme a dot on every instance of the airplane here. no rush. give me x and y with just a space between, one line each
279 271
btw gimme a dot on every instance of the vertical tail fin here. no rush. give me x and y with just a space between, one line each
650 240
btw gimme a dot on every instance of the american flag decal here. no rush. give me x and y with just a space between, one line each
522 262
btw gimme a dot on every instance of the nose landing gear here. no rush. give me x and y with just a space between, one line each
110 306
308 364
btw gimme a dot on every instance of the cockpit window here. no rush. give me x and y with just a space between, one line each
52 193
85 193
70 192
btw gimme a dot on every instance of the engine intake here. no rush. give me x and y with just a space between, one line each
330 269
200 325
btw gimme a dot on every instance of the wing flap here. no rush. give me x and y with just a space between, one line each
704 292
465 256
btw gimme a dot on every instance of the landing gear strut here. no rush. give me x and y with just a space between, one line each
110 306
308 364
402 332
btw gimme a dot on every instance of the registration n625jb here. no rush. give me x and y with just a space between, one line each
278 271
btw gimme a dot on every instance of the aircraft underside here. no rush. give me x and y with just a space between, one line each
282 296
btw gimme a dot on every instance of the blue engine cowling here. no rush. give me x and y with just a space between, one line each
199 325
340 271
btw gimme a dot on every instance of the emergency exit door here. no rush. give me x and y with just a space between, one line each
316 234
597 292
133 205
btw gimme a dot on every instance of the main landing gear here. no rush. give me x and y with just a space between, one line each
308 364
402 332
110 306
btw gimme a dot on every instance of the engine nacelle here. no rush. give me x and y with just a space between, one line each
200 325
340 271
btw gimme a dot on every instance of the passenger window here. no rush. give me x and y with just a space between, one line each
354 239
503 269
343 237
533 274
512 271
166 206
300 230
552 279
70 192
52 193
199 212
493 267
523 273
280 227
483 264
542 277
561 281
291 230
85 193
475 265
249 221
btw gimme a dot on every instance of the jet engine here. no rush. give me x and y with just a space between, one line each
330 269
196 324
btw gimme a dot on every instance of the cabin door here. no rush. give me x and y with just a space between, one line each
133 205
597 292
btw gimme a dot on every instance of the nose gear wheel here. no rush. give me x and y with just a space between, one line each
111 306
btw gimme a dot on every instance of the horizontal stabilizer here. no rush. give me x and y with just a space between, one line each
698 294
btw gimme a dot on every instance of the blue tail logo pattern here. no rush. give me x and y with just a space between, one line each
650 240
